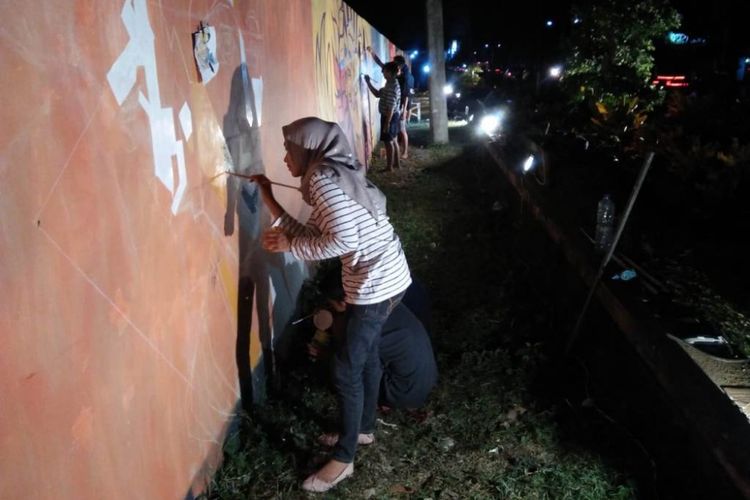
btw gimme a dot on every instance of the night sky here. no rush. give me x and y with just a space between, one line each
473 22
516 23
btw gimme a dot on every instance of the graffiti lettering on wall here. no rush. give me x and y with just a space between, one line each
340 40
140 52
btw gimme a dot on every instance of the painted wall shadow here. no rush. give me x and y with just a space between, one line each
270 282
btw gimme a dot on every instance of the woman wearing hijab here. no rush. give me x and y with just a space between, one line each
348 221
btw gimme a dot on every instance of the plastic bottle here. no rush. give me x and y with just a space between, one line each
605 224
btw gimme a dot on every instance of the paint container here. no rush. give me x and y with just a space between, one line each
323 319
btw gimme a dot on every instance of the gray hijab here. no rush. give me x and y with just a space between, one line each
318 145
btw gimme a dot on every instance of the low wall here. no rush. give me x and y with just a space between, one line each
137 305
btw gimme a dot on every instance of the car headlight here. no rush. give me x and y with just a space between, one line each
490 124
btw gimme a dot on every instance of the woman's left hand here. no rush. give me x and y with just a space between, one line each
275 240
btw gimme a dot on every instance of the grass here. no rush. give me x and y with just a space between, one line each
489 434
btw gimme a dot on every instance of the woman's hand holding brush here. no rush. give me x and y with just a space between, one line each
264 184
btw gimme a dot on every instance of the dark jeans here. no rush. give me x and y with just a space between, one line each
357 373
389 131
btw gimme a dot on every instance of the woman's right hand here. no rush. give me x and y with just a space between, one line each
264 184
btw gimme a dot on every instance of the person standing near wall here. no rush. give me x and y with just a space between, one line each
389 104
348 221
406 82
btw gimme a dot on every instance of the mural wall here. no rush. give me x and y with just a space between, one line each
341 59
137 303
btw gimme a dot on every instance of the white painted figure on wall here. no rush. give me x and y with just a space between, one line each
141 52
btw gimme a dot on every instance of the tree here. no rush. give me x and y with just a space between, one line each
471 78
612 57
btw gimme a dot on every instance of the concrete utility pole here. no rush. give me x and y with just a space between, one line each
436 48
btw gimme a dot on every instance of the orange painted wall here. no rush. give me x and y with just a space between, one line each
126 258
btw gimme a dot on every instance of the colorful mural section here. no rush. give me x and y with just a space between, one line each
138 306
341 61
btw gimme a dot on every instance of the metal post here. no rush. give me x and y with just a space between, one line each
611 249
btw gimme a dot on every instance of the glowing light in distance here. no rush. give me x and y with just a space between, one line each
426 68
549 23
448 89
489 124
528 164
678 38
555 71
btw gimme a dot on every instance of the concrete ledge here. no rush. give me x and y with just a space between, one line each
710 413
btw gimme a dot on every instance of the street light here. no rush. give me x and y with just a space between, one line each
549 23
426 68
555 71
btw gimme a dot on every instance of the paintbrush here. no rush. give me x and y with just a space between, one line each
253 180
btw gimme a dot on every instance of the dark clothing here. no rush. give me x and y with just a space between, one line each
418 301
409 368
406 82
389 132
357 372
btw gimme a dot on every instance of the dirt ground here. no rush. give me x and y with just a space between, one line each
510 418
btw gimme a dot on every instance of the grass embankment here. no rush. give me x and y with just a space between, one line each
487 434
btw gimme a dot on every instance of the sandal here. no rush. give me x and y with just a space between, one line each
316 485
331 439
